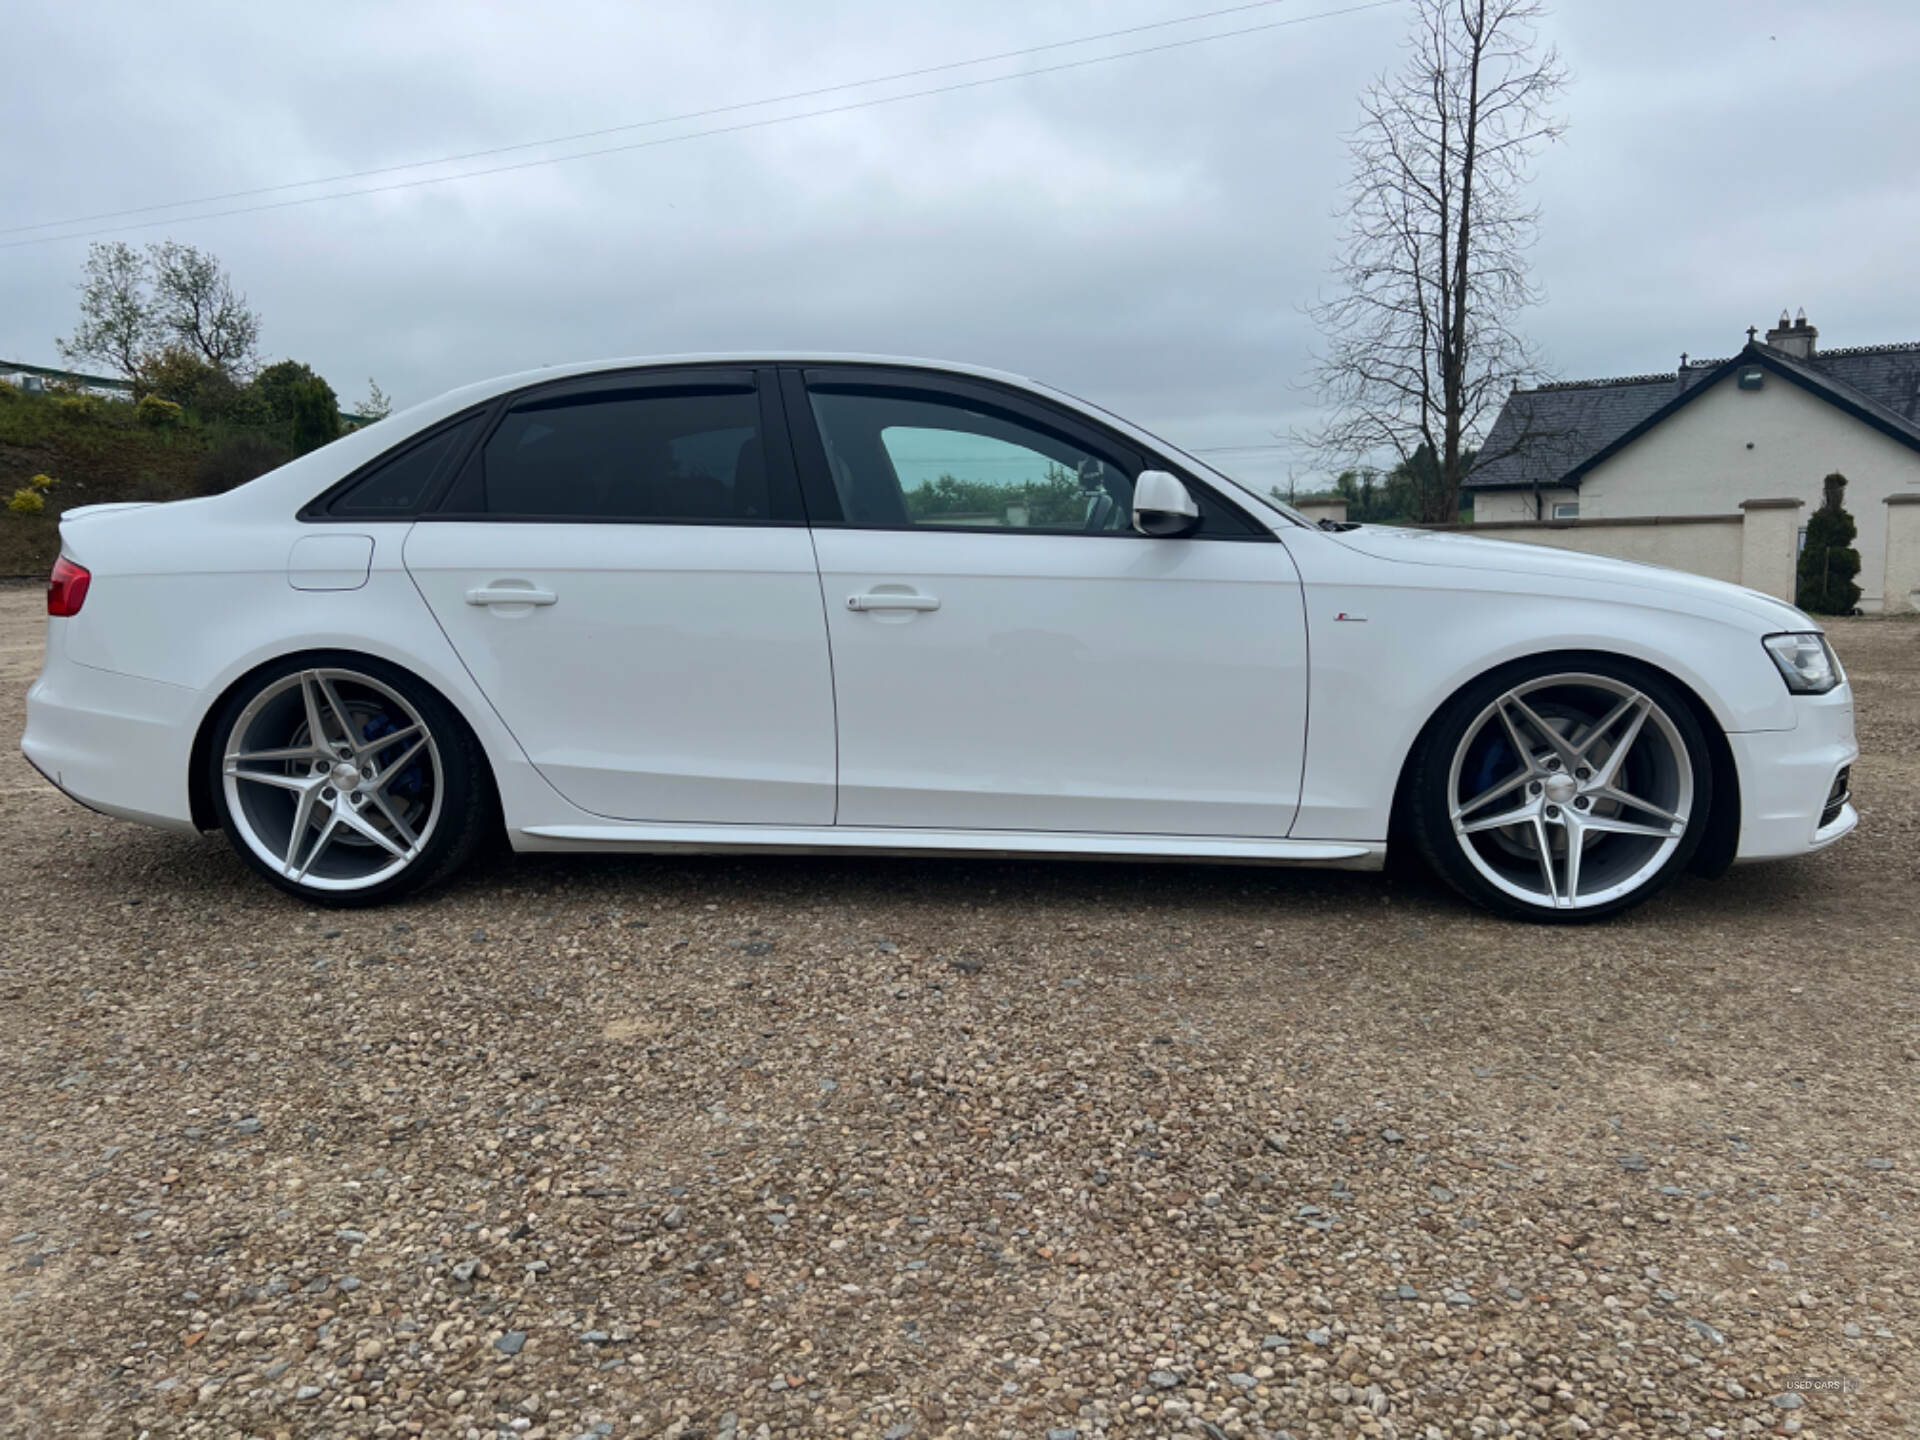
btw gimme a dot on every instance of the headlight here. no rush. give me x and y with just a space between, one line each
1807 663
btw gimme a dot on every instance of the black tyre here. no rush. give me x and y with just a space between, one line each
1563 788
346 781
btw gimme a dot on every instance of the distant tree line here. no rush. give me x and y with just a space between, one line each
1397 496
1054 503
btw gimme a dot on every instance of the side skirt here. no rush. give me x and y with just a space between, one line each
1001 844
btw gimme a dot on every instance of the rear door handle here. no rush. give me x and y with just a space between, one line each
893 600
510 593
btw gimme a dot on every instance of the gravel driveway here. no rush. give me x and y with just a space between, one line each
590 1146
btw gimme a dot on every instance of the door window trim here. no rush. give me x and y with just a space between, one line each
822 500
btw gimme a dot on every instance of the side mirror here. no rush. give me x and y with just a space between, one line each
1162 507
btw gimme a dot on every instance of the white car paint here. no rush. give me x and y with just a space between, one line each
1437 616
1057 686
1070 695
333 561
705 642
1784 777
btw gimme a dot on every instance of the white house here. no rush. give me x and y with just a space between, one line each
1767 424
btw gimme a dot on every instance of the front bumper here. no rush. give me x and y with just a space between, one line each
116 743
1786 777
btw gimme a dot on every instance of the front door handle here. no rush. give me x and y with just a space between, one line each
893 600
503 592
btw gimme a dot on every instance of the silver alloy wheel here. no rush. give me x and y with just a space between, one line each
1570 791
333 779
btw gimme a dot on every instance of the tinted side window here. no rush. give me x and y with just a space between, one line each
903 460
623 455
398 484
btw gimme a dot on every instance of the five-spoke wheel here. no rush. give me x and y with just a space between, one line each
1558 792
345 782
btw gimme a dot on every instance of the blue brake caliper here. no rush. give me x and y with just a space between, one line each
1495 764
410 781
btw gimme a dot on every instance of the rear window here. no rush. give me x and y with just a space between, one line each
628 455
398 485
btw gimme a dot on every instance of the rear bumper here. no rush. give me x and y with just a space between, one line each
115 743
1787 775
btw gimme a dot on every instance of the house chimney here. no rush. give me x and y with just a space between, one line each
1796 337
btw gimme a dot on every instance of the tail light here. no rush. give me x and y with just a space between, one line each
67 587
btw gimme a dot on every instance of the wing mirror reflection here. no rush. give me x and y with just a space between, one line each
1162 506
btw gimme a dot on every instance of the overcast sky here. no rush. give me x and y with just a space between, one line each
1143 232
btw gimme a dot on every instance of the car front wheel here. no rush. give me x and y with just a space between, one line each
346 781
1562 790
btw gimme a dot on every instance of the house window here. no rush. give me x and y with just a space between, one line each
1566 509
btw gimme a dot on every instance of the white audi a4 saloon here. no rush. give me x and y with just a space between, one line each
784 603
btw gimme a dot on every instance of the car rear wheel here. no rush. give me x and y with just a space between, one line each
346 781
1562 791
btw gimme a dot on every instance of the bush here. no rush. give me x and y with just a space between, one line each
316 416
161 414
1828 561
184 379
80 407
26 501
237 460
300 404
42 482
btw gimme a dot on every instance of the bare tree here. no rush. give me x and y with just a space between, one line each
1419 345
116 326
197 307
173 296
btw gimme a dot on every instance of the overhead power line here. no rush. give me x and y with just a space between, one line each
737 128
578 135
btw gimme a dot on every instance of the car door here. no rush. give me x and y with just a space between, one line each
623 566
1008 654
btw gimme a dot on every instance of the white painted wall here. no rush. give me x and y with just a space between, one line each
1729 445
1335 510
1712 549
1497 506
1903 555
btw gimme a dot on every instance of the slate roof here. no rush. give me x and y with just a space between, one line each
1553 434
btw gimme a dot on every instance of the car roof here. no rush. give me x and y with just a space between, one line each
534 376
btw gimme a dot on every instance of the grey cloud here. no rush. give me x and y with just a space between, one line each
1144 233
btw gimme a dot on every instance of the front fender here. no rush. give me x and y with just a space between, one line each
1375 681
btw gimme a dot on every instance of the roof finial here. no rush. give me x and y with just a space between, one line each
1752 330
1800 316
1784 321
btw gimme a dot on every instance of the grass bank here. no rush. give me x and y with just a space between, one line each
98 451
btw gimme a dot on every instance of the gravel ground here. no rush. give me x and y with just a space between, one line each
586 1146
